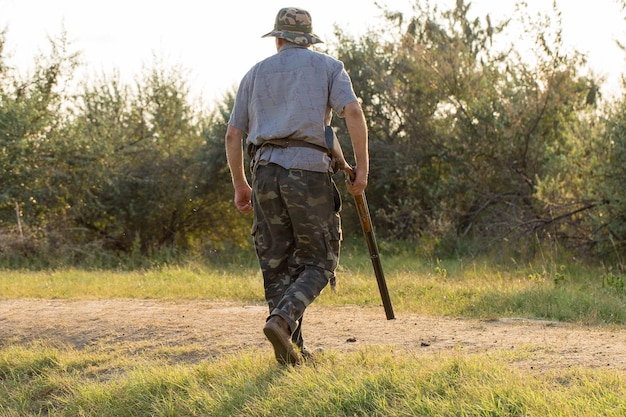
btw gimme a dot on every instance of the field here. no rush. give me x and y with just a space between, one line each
215 329
188 342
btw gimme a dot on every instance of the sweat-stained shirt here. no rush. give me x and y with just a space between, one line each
291 95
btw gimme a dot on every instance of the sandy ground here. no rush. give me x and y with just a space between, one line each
223 328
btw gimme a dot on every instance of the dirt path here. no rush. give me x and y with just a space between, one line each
221 328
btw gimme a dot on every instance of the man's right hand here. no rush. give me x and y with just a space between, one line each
234 155
243 196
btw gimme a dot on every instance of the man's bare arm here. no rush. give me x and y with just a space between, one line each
357 128
234 155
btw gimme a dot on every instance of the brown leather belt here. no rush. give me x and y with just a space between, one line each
286 143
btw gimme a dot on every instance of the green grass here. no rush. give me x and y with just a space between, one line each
41 380
175 282
123 379
564 292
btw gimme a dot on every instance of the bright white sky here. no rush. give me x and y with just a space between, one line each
216 42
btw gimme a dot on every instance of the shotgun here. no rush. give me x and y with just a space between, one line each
366 221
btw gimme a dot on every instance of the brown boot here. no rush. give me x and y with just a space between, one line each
277 332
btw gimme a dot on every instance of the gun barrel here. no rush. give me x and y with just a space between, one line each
372 246
366 221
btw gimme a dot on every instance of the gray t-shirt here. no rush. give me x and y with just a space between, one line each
291 95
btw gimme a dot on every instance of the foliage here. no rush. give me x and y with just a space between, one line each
151 172
476 147
111 168
31 121
462 134
608 229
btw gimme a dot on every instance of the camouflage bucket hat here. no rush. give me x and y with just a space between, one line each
294 25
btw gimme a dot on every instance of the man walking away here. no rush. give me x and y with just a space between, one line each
282 106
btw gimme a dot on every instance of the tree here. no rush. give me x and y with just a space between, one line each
31 119
606 229
149 170
461 132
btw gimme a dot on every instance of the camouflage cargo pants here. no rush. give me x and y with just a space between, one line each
297 234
